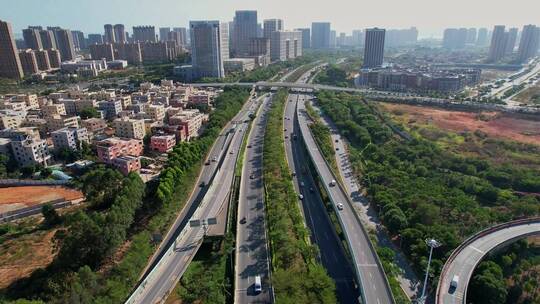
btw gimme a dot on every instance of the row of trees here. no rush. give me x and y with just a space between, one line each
185 155
423 191
297 278
333 75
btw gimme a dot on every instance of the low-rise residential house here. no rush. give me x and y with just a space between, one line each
53 109
156 112
69 138
30 151
111 148
111 108
130 128
94 125
162 143
191 120
127 164
56 122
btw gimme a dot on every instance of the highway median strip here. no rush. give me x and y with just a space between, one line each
296 271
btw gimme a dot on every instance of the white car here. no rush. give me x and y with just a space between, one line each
339 206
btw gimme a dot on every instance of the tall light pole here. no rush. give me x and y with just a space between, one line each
432 243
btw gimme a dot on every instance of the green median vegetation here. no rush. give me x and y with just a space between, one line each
424 191
296 277
104 249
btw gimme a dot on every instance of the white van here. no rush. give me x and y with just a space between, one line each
257 286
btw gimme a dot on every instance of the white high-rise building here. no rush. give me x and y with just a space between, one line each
285 45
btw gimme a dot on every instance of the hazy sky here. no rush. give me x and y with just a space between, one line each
430 16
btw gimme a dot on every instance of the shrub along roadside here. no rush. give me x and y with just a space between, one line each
423 191
297 278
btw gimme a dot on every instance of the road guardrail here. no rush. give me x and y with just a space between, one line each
470 240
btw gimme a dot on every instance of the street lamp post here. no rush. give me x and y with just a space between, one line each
432 243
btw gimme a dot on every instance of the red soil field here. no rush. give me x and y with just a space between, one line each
495 124
13 198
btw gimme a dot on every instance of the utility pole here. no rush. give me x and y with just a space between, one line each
432 243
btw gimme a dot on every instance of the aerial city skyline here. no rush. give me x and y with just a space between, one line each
345 15
216 43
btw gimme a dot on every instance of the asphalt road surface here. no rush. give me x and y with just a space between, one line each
207 172
173 263
373 284
332 254
464 263
251 242
367 213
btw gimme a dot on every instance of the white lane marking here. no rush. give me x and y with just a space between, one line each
374 288
476 249
371 275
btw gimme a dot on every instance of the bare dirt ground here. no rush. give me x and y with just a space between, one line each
23 255
13 198
529 96
497 125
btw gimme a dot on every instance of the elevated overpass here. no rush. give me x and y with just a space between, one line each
472 251
394 97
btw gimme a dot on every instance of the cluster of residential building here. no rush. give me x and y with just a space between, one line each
31 126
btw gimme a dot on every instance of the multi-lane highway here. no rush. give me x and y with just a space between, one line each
368 215
252 255
374 287
331 252
465 258
207 172
173 260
